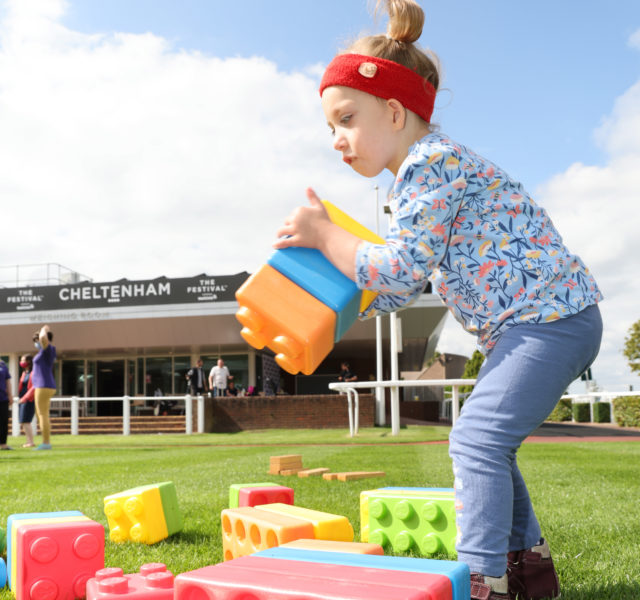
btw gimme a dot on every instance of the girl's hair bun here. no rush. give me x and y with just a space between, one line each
406 19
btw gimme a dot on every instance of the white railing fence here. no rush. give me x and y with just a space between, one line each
78 404
351 389
77 401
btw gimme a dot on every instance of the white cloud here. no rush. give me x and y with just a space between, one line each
125 157
634 39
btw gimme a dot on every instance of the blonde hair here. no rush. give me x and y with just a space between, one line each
406 20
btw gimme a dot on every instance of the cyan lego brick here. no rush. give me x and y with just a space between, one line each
3 574
457 572
310 270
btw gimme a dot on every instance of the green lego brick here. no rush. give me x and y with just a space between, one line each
172 513
234 491
424 523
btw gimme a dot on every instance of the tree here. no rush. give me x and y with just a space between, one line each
632 347
471 369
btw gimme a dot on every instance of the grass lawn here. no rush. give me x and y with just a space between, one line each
586 494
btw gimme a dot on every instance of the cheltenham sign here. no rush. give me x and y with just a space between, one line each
186 290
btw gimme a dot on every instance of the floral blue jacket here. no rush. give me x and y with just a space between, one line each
491 253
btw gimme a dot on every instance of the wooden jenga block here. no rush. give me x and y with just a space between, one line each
289 471
359 475
330 476
310 472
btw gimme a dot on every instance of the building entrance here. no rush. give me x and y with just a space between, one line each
109 383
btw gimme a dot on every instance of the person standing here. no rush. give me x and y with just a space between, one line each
196 380
6 398
26 394
44 381
218 378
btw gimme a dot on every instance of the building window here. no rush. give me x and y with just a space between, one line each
181 364
73 378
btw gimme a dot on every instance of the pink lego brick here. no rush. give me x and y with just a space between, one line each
55 560
276 579
256 496
152 582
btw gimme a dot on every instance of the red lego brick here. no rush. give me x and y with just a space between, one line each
277 579
255 496
55 560
152 582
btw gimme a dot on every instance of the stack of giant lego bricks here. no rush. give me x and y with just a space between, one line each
278 551
299 304
52 555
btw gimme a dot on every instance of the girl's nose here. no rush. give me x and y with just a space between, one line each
339 142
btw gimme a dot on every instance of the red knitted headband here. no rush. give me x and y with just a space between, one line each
383 78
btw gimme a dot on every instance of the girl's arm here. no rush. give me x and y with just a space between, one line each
310 227
44 339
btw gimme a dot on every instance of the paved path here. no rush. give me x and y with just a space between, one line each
584 432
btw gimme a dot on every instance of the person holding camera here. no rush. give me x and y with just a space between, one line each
43 381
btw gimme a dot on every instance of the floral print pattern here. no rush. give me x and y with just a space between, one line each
491 253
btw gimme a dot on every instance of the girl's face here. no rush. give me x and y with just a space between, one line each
364 129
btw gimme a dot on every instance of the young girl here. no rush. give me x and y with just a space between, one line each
498 263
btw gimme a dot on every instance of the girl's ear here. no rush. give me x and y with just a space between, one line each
398 113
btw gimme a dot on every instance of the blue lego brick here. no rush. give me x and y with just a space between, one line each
310 270
3 574
22 516
457 572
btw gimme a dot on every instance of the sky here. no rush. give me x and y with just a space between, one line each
141 138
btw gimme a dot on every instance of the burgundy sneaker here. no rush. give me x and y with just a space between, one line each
532 575
489 588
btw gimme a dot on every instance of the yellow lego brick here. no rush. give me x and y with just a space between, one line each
325 525
136 515
352 226
246 530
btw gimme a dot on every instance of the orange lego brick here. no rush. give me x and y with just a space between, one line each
335 546
276 313
246 530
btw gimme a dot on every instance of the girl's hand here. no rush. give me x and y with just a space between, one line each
311 227
306 226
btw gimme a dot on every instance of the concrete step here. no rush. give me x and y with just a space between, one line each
113 425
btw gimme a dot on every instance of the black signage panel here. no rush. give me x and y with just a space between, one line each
186 290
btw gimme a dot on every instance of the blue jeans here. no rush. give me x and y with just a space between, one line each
519 384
